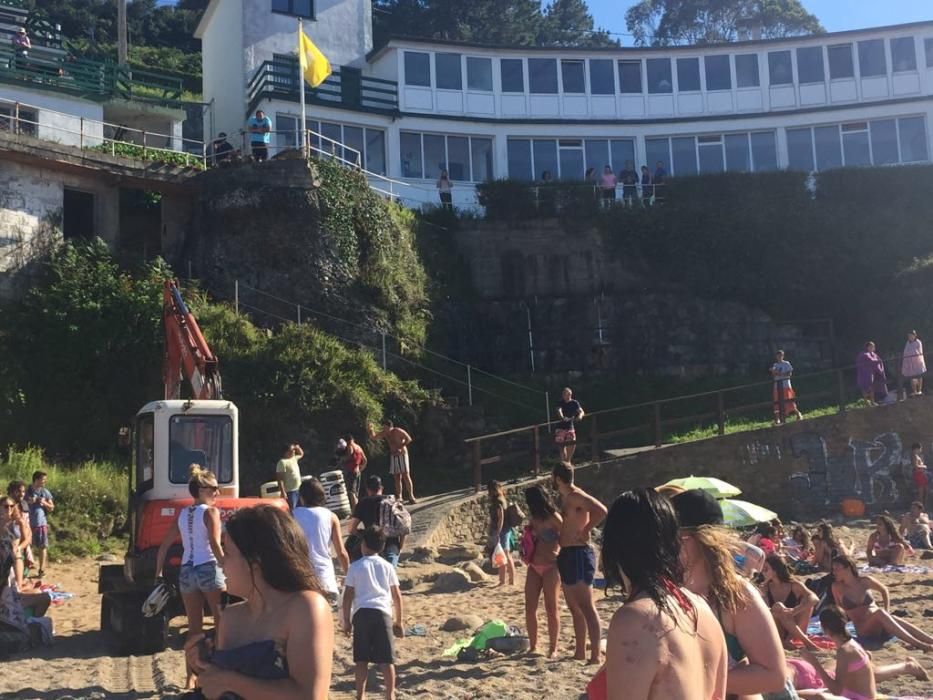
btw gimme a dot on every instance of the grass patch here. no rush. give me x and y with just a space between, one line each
90 501
740 425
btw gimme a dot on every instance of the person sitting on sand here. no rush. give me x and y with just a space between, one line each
915 526
664 642
756 658
886 546
13 537
799 546
546 524
576 561
826 545
810 679
499 532
279 642
852 593
790 601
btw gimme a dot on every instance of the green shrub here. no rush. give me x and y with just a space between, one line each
90 500
130 150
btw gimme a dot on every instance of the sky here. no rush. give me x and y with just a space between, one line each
835 15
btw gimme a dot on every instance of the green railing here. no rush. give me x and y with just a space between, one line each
345 87
134 83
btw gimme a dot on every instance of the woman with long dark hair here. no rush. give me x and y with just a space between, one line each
664 642
279 642
852 593
200 578
790 601
886 546
545 523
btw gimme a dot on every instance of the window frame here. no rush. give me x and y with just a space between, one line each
829 60
427 57
521 65
685 67
475 60
899 41
747 56
641 77
884 57
772 64
290 12
822 65
718 59
573 63
437 73
541 62
670 75
928 51
612 76
469 179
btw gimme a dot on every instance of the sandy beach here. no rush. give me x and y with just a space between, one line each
78 665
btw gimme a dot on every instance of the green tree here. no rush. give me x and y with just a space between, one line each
668 22
569 23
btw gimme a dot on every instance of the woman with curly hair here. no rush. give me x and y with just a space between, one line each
886 546
756 658
664 643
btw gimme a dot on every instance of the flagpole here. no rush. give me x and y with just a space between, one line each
301 79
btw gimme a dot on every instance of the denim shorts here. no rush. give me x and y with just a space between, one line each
203 578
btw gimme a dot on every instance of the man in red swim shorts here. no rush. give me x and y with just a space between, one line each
568 410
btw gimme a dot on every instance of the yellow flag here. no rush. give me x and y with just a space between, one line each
314 65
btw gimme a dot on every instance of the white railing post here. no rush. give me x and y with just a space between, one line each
236 298
16 119
298 306
81 136
470 384
384 362
144 145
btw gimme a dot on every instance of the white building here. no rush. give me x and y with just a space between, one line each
414 107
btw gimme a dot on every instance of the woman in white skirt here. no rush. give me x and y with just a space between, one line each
913 366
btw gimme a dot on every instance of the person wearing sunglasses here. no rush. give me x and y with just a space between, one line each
200 578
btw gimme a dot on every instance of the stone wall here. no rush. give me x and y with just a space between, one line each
802 470
584 308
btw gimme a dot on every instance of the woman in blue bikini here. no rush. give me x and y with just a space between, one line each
279 642
852 593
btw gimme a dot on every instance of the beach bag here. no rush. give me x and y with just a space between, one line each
527 544
394 520
513 516
498 557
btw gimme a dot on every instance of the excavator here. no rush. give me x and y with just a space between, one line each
170 435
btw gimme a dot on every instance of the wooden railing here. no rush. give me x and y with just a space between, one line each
652 423
344 87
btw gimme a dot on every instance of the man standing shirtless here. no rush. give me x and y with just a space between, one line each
399 468
576 561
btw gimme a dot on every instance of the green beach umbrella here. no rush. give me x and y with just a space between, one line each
744 514
717 487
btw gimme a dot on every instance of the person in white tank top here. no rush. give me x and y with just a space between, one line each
200 577
322 530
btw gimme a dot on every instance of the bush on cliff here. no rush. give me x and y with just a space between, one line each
84 352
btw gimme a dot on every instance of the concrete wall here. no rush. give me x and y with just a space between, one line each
802 469
222 63
59 116
31 202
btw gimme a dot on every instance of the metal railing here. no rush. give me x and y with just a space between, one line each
93 134
281 79
652 423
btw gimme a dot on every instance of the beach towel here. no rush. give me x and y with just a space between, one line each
490 630
814 632
58 596
892 569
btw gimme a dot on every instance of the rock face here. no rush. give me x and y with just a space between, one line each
462 622
473 570
453 581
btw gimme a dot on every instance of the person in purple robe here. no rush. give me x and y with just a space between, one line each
870 375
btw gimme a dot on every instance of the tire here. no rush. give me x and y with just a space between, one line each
154 634
106 606
127 630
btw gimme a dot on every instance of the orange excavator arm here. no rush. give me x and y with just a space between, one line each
187 354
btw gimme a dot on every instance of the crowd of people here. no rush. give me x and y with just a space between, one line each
24 542
642 188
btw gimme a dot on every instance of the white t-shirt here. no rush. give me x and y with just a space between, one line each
318 524
371 578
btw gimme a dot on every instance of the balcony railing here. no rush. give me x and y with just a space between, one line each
99 80
345 87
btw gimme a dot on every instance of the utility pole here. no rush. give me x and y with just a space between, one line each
121 33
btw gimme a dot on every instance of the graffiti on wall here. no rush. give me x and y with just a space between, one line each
865 469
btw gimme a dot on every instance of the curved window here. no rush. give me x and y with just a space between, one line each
204 440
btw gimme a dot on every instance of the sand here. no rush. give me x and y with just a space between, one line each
78 665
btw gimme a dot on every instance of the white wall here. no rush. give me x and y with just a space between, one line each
222 62
341 29
64 127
